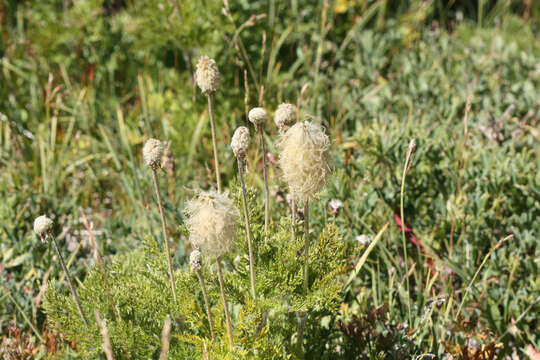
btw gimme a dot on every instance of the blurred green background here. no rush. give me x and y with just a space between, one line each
84 83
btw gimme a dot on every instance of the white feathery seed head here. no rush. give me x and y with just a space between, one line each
195 260
152 153
212 218
240 142
304 159
284 115
43 226
257 116
207 75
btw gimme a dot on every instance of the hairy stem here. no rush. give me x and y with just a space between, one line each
404 241
248 230
214 143
306 246
164 228
225 307
293 220
73 292
207 304
301 318
267 193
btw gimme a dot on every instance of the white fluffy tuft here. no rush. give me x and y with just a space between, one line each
152 153
257 116
240 141
284 115
212 218
207 75
43 225
304 159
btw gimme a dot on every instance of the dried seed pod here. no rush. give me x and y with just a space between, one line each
207 75
152 153
240 142
257 116
195 260
43 226
284 115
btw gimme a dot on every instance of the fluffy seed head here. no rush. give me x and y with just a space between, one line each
240 141
284 115
257 116
152 153
195 260
304 159
212 218
207 75
43 226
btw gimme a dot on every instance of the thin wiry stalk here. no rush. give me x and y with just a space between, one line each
404 241
293 220
164 228
214 143
306 246
301 318
267 193
248 230
107 346
207 304
225 307
73 292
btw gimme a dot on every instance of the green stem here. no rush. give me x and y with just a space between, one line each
293 221
267 193
225 307
248 230
207 304
73 292
214 143
404 241
164 229
306 247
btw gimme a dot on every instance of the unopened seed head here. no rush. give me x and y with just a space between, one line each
43 226
207 75
284 115
212 218
152 153
257 116
240 142
304 159
195 260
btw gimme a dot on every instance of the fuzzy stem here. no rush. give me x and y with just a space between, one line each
404 241
214 143
224 299
248 230
293 220
301 318
164 228
306 246
267 193
73 292
207 304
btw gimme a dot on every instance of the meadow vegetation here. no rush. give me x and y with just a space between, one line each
430 252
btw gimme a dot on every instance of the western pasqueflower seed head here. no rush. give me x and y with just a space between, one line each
195 260
284 115
212 218
240 142
304 159
152 153
43 226
257 116
207 75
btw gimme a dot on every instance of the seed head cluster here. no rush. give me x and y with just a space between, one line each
195 260
304 159
257 116
240 142
284 115
207 75
212 218
152 153
43 226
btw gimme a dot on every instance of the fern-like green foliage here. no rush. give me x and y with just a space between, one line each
265 328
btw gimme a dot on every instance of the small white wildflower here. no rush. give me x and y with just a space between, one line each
152 153
195 260
212 218
364 240
257 116
304 159
284 115
240 142
207 75
334 205
43 226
